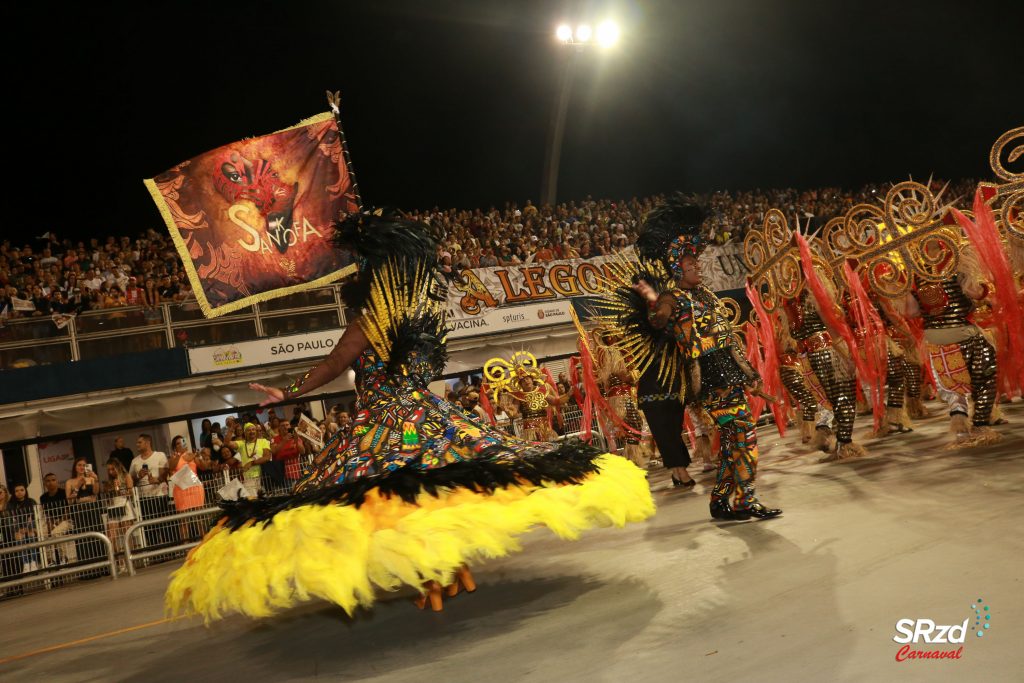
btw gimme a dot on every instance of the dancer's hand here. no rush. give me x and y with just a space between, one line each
274 394
645 290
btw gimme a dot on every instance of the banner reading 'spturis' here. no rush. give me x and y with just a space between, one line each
252 220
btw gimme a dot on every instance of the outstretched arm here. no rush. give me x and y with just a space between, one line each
352 343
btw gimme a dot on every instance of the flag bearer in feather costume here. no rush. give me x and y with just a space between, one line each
715 370
419 488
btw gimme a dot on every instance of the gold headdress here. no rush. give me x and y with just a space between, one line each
773 259
1007 198
904 238
505 375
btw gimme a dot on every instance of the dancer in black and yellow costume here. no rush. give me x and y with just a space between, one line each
715 371
420 488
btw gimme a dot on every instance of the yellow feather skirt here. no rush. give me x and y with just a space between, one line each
346 554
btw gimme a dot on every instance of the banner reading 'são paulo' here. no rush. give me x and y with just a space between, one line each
252 220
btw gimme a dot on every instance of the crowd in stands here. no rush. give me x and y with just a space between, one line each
53 276
50 275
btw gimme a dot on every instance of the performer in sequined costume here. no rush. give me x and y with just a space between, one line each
830 365
717 373
520 382
419 488
792 374
964 361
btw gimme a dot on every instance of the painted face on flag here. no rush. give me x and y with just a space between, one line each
239 179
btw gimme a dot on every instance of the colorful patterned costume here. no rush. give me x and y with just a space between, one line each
718 377
419 489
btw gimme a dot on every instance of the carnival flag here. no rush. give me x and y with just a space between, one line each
252 220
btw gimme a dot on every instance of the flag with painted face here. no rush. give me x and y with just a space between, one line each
252 220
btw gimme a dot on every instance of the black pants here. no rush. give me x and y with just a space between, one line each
665 418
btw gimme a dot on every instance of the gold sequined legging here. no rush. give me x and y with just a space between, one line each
841 393
896 380
913 379
793 380
980 358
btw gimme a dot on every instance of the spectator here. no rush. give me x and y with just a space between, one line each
57 518
122 454
289 448
273 426
22 513
149 473
120 512
251 452
344 423
83 493
133 294
187 490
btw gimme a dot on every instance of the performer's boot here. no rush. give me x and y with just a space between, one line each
749 504
721 510
463 580
759 511
432 593
844 451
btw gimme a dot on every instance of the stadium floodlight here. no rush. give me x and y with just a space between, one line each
583 33
564 33
608 33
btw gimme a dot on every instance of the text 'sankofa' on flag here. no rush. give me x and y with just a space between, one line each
252 220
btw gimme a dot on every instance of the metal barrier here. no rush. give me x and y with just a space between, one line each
111 331
130 557
46 573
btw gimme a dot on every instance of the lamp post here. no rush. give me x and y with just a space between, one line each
576 41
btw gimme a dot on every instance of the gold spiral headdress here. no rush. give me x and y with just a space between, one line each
773 259
904 238
505 375
1007 198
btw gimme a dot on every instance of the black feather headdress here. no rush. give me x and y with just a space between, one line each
676 223
379 238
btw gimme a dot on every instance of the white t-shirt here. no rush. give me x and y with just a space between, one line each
155 461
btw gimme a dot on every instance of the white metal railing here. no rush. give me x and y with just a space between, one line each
125 329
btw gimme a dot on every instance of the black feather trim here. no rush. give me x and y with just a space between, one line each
421 337
570 463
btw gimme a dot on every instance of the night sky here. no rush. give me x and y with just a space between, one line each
449 103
